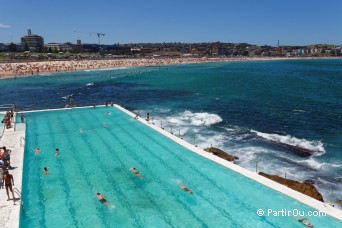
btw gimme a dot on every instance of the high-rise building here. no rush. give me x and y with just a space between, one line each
32 42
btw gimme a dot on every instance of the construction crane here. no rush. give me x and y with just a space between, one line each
93 33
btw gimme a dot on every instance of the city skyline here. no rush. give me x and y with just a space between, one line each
261 23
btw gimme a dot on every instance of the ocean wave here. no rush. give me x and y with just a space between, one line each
67 96
194 119
106 69
316 146
320 165
90 84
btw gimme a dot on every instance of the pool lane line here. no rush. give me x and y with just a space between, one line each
80 166
177 175
181 161
160 181
109 149
98 159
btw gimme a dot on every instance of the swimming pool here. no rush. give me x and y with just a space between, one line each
99 160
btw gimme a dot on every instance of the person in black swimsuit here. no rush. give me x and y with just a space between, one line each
102 199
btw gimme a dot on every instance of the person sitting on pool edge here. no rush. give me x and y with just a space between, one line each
184 188
102 199
136 172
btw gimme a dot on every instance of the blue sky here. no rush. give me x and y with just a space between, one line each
293 22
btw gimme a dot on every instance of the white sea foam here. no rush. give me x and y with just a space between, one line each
211 139
67 96
106 69
293 141
312 162
90 84
195 119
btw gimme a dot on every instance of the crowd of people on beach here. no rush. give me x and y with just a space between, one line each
46 67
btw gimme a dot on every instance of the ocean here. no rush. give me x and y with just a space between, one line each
284 115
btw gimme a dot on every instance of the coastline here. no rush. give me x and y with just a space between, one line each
24 69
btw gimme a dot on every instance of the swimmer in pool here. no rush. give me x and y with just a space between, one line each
106 125
45 171
36 151
82 131
305 221
136 172
56 152
102 199
184 188
107 113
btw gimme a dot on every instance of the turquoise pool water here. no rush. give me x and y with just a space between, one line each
99 160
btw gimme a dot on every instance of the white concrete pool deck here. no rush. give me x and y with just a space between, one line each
10 214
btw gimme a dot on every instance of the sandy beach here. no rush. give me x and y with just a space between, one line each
20 69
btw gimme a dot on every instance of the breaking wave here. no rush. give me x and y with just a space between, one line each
315 145
194 119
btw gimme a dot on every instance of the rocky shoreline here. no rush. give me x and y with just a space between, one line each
222 154
304 187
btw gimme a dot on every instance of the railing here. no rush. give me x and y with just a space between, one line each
167 126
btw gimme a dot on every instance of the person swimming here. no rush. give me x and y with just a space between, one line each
102 199
107 113
106 125
82 130
36 151
305 221
45 171
136 172
184 188
56 152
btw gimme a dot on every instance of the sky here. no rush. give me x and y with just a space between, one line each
260 22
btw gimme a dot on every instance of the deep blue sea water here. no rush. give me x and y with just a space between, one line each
257 110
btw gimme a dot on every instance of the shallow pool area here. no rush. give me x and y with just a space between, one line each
98 146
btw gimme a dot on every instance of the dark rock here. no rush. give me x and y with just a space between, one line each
221 154
300 151
305 188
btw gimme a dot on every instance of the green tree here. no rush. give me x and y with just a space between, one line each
12 47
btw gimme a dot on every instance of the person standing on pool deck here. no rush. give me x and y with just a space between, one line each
102 199
8 181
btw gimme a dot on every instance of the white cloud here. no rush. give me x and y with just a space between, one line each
4 26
